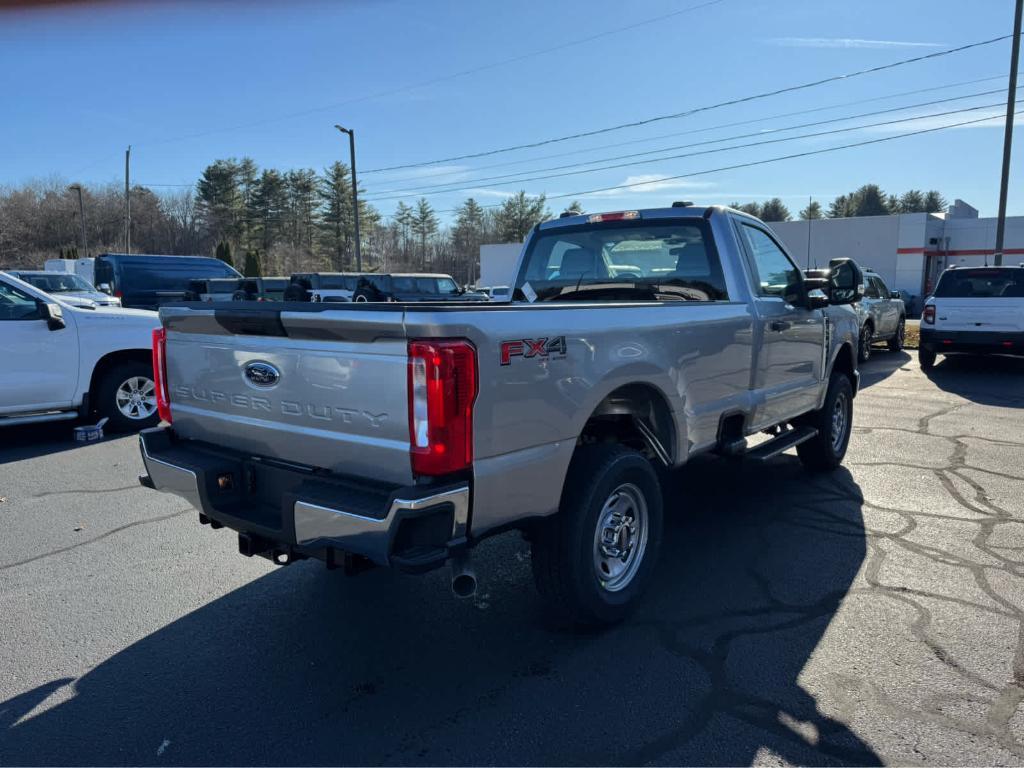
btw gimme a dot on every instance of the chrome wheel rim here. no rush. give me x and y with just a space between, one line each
839 422
361 298
136 398
866 341
621 537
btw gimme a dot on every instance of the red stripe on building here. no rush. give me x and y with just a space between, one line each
963 252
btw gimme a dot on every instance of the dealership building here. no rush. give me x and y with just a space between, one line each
908 250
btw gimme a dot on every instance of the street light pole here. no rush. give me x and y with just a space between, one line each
81 217
355 191
1011 103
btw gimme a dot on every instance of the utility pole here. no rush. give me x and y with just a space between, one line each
1011 105
355 191
127 201
810 205
81 217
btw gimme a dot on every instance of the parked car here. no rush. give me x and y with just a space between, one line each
883 316
61 362
455 423
412 287
501 293
322 286
149 282
978 310
262 289
212 289
67 286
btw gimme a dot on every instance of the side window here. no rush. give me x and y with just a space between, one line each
871 289
776 274
17 305
880 286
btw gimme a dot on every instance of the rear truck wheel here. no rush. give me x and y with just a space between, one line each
594 557
834 422
896 342
867 335
360 296
926 358
126 395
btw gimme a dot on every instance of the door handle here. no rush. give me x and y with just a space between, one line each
780 325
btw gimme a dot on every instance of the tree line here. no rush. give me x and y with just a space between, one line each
867 200
275 222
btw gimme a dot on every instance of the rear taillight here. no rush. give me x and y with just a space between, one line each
929 314
442 388
163 400
119 294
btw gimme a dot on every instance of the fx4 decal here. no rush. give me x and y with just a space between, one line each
549 346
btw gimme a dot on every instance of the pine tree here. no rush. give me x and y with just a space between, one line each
754 209
223 253
775 210
252 265
424 226
338 228
812 211
219 204
517 216
573 209
870 201
934 202
911 201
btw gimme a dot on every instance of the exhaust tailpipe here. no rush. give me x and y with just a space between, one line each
463 576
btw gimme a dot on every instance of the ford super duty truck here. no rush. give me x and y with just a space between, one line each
404 434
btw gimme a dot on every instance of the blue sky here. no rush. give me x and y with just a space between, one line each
188 82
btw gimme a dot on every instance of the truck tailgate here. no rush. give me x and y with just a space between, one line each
324 389
989 313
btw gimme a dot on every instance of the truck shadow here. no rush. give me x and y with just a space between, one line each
984 379
881 365
302 666
33 440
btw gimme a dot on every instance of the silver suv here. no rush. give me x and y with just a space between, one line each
883 316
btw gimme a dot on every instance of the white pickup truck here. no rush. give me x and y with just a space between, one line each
61 362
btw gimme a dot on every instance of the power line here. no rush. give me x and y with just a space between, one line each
753 163
613 145
441 78
709 151
442 187
689 131
696 110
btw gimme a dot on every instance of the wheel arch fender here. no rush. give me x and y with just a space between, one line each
111 359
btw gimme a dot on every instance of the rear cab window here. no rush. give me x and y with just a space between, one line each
643 260
987 283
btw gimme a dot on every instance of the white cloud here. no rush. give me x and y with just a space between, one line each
847 42
926 122
483 192
650 182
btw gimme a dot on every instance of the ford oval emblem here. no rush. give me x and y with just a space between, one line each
262 374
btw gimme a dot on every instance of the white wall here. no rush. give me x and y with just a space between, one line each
498 263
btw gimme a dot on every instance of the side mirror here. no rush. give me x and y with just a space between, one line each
53 315
104 288
895 295
846 282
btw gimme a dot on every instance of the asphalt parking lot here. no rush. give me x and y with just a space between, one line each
872 615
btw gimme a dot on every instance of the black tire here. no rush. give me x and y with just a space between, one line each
867 333
825 451
295 292
240 296
564 547
926 358
896 342
105 402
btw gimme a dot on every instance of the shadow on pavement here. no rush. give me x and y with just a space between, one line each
881 365
33 440
984 379
302 666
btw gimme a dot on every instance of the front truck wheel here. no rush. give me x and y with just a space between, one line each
126 395
834 422
594 557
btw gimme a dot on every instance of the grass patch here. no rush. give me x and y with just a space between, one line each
913 337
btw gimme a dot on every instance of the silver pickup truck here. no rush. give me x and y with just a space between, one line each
403 434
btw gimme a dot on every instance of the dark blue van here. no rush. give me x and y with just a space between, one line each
146 281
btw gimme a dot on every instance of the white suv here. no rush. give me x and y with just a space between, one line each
977 309
61 362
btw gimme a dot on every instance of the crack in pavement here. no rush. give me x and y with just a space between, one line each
94 539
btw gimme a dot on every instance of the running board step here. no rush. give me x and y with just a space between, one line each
781 443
